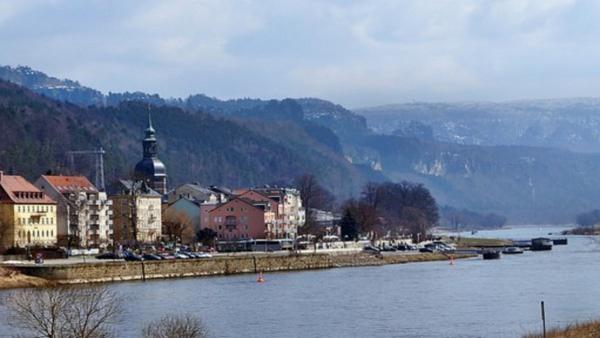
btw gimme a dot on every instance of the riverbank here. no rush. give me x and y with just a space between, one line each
584 231
474 242
10 279
578 330
113 271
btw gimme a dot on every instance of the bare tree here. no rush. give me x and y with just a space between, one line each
314 196
74 312
178 225
171 326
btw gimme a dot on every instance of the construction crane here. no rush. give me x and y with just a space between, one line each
99 165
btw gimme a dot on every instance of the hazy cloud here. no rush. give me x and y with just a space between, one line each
357 53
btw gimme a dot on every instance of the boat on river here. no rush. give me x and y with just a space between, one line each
513 250
559 241
541 244
491 254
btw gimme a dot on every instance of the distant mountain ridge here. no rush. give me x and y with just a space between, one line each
452 148
572 124
319 111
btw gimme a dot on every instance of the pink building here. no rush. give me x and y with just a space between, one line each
238 219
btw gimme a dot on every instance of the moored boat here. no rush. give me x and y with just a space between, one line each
512 250
559 241
541 244
491 254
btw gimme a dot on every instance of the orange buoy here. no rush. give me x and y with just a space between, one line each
451 260
261 278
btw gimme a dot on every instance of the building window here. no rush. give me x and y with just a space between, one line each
230 222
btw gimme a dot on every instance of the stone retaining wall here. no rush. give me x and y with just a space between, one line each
120 271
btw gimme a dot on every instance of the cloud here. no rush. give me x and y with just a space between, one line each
355 52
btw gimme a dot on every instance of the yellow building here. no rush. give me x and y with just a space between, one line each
27 215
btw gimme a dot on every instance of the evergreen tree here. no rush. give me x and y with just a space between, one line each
349 226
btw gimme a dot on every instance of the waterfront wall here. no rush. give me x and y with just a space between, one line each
121 271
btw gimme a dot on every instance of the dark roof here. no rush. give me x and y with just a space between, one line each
150 167
142 186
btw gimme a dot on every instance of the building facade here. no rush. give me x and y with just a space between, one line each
150 169
84 214
27 215
239 219
137 214
290 214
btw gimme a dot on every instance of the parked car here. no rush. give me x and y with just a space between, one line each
187 254
130 256
108 255
166 255
179 255
370 249
152 257
203 254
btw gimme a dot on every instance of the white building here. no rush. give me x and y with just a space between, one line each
137 204
84 215
290 214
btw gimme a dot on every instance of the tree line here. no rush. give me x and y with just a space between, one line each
386 208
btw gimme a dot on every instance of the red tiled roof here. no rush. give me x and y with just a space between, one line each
70 183
18 190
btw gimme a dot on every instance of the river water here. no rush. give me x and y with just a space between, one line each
473 298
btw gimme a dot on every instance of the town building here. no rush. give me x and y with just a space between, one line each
239 219
190 209
327 223
290 214
137 214
84 214
188 199
27 214
150 169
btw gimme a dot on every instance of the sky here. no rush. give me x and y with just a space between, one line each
356 53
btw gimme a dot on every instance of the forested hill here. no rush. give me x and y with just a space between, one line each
252 141
195 146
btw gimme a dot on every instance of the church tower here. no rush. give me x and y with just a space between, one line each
150 169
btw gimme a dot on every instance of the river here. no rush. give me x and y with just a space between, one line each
473 298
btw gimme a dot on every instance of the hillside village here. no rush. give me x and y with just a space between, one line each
73 213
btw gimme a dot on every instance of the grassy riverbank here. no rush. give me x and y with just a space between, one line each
13 279
584 231
469 242
589 329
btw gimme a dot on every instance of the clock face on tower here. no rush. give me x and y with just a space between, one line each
151 148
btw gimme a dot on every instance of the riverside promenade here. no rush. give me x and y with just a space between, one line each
76 270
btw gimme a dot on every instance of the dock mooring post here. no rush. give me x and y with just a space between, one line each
543 320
